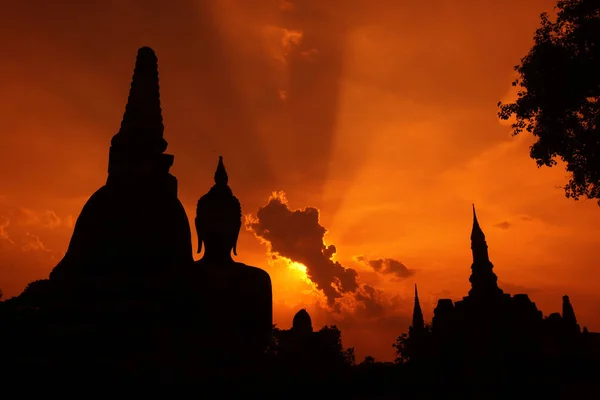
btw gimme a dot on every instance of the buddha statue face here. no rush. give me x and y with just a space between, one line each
219 217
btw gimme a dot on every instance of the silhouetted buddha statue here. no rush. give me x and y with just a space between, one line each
240 305
135 223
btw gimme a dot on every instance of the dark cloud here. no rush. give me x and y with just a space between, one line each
371 301
298 236
503 225
387 266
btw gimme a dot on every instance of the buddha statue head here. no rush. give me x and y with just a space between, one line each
218 217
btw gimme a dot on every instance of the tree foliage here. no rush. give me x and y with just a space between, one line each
369 360
332 348
559 95
271 349
410 346
36 293
402 347
320 349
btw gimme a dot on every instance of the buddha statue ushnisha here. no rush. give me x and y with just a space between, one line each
241 303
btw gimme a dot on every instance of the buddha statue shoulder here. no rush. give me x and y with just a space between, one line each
240 294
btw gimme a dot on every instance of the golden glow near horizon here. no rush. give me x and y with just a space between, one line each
381 115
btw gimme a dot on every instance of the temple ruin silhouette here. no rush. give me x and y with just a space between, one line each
488 327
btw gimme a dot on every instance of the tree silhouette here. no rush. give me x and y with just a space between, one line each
349 356
402 347
271 350
36 293
369 360
412 346
559 95
330 348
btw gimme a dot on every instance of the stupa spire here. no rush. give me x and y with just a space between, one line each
568 314
140 137
417 320
483 279
143 114
416 331
479 246
476 232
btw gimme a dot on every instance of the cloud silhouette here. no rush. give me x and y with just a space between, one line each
298 236
387 266
365 313
503 225
370 298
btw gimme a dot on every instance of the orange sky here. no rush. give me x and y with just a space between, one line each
381 115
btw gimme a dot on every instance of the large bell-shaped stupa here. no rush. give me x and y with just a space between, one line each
134 224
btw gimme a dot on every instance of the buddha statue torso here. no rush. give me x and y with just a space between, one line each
239 305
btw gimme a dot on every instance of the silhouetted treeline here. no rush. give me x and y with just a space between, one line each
152 348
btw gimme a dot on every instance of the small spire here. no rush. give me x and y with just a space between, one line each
476 232
568 313
483 279
142 125
221 177
417 321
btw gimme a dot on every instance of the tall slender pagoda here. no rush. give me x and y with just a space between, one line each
418 323
484 282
